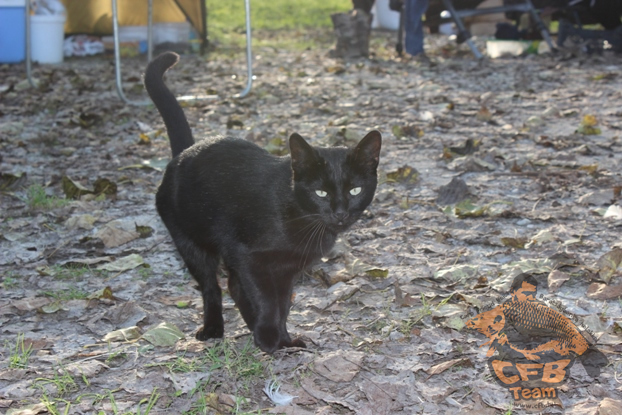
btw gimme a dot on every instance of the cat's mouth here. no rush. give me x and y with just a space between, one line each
341 224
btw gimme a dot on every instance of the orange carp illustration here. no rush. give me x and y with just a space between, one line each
531 319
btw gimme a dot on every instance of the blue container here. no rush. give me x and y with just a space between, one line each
12 31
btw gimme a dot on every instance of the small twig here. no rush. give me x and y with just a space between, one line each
376 385
346 331
56 250
533 209
372 322
114 276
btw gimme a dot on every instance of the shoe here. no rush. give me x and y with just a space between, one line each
420 59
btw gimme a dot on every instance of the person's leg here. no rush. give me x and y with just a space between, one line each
413 25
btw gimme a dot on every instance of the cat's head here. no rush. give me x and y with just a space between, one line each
335 185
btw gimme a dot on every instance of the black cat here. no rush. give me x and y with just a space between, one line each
267 217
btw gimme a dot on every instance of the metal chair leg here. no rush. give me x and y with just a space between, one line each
249 52
399 46
540 25
249 63
31 81
117 51
463 33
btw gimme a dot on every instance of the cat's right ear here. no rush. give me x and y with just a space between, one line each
303 155
367 152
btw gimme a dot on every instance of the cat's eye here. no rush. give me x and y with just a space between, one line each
355 191
321 193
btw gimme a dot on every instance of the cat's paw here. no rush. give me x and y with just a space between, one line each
270 339
210 332
267 338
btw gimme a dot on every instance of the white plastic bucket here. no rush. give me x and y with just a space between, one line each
384 17
47 33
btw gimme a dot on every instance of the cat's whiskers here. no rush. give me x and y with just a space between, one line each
307 250
302 217
306 227
322 238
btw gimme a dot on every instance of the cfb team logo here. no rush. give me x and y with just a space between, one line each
537 345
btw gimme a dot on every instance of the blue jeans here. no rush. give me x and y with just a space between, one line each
413 25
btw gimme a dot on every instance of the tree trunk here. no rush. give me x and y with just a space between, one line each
352 30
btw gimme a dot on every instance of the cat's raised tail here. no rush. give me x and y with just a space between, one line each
179 132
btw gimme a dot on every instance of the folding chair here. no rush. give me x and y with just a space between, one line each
117 53
525 6
465 36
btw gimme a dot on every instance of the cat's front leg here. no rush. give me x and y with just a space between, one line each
266 335
261 283
270 332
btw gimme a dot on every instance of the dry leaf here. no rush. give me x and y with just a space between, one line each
73 189
144 231
12 181
453 192
35 409
608 264
115 233
123 264
340 365
484 114
440 368
610 406
32 303
405 175
518 243
123 335
105 293
104 186
588 126
85 221
614 212
556 279
165 334
598 291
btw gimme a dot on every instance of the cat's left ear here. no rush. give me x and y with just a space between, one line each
303 155
367 151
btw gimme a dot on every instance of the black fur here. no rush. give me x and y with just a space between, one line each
228 198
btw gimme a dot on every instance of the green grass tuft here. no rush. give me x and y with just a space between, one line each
36 198
71 293
20 354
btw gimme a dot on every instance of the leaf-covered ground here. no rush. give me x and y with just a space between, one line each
98 313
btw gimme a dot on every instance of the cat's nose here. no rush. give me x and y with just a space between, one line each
340 216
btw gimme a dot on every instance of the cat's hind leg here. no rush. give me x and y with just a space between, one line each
203 266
